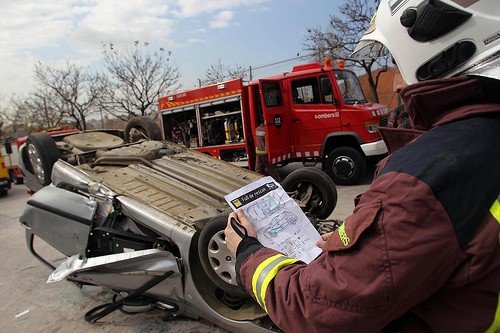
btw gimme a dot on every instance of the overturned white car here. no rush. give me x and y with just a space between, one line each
145 219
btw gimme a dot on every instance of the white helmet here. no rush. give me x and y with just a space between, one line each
429 39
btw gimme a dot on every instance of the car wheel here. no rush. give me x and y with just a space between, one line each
313 190
141 128
345 165
42 153
217 261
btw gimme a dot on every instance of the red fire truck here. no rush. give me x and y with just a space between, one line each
315 113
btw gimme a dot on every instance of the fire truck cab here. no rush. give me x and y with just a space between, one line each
315 113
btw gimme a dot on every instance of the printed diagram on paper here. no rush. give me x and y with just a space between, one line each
278 220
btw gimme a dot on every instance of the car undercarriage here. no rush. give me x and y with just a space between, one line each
144 219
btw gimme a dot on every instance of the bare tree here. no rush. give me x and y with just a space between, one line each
342 35
3 121
220 72
75 87
15 118
135 79
46 108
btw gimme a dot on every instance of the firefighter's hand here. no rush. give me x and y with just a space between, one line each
325 238
232 238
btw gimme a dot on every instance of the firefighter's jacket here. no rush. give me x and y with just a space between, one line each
421 250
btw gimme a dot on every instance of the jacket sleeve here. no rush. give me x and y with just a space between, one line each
396 249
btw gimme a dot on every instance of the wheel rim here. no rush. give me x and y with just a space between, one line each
36 163
308 195
344 167
136 134
221 259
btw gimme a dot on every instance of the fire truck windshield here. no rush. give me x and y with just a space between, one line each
349 87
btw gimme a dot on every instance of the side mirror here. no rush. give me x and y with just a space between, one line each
8 147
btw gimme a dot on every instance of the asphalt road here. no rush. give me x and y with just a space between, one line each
28 304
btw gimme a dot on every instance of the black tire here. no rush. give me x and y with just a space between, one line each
345 165
42 153
141 128
12 177
321 200
3 193
214 256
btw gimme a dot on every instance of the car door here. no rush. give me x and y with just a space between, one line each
314 114
276 121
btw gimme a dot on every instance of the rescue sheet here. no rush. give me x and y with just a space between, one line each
277 218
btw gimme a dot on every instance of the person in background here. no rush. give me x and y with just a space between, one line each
421 251
262 164
177 134
398 117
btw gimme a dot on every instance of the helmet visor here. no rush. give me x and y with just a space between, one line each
369 49
489 67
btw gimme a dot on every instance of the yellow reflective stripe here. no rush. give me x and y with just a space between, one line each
495 210
271 275
260 152
257 273
495 326
265 272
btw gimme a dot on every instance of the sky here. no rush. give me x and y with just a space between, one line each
199 33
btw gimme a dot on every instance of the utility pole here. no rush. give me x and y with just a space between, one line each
102 119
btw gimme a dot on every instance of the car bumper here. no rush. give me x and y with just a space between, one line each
374 148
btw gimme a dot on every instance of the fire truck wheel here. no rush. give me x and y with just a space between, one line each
313 190
141 128
345 165
42 154
217 261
